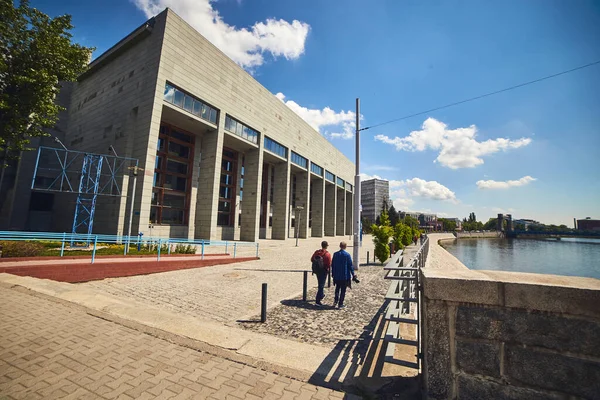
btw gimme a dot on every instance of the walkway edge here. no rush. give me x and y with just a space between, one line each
267 350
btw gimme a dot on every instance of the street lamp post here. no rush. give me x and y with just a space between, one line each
298 216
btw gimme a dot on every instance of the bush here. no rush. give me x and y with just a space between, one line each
21 249
185 249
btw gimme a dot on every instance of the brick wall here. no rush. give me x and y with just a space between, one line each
508 335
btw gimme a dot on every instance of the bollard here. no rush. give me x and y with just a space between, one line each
94 251
158 252
263 303
367 258
256 250
226 245
169 245
329 279
203 250
234 249
305 285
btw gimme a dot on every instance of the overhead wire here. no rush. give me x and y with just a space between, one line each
481 96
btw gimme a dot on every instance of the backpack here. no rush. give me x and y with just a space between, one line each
318 267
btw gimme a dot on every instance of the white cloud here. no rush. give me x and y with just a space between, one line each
499 210
343 121
379 167
245 46
505 184
403 192
458 148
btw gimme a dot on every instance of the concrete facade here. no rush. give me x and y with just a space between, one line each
124 100
373 193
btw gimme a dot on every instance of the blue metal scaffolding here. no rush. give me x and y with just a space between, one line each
59 170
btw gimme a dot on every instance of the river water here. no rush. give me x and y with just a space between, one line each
568 256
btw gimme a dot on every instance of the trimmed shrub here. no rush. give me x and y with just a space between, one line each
21 249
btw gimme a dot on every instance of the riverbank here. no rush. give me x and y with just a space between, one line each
492 234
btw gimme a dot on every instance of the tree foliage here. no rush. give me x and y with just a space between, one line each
36 54
448 225
381 237
393 214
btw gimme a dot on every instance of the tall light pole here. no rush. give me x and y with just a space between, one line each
356 214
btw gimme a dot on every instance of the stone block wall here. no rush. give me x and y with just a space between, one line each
502 335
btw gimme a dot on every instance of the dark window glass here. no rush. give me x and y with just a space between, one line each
197 110
226 193
172 176
224 206
205 111
172 200
223 219
226 179
229 154
172 216
177 167
175 183
213 116
190 103
227 188
179 150
227 165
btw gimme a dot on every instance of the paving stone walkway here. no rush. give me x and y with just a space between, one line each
53 351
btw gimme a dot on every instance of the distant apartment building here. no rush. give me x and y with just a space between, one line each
527 223
373 194
222 157
588 224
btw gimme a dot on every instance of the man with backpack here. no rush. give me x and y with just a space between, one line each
343 273
321 264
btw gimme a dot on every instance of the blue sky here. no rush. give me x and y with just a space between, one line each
533 151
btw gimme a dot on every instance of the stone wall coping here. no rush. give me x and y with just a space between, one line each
540 292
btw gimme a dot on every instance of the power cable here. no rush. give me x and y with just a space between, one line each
481 96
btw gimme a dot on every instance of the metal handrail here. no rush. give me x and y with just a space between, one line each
125 240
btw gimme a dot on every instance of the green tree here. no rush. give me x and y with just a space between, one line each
393 214
491 224
448 225
381 237
36 54
411 221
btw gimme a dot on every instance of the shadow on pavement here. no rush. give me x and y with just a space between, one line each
307 305
367 352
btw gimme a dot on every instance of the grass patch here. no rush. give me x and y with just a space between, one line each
48 248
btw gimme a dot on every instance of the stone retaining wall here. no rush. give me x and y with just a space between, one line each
493 234
504 335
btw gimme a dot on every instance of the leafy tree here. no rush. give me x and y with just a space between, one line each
448 225
36 54
393 214
491 224
519 227
411 221
381 237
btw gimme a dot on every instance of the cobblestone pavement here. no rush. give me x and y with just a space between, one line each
232 292
307 322
50 351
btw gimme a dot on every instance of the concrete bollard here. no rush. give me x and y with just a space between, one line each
263 303
305 286
367 258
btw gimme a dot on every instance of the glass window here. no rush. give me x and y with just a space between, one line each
329 176
177 167
187 103
227 189
299 160
172 176
316 169
178 98
179 150
275 147
169 93
175 183
190 103
340 181
243 131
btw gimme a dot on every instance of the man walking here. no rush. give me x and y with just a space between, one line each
343 272
321 260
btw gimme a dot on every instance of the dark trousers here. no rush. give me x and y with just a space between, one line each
321 278
340 292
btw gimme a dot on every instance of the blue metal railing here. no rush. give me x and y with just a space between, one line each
68 238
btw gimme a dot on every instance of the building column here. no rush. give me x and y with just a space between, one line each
251 201
349 212
317 200
330 211
281 201
340 212
207 199
302 200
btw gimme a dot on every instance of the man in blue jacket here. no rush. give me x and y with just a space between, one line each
342 272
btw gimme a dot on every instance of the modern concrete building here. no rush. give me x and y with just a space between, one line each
373 193
223 158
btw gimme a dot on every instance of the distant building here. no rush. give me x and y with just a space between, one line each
426 221
588 224
458 223
373 193
526 222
